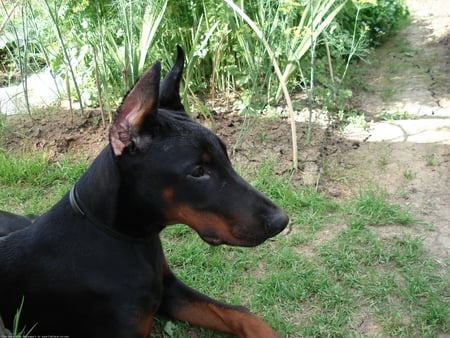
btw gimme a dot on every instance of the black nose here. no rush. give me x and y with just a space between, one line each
276 223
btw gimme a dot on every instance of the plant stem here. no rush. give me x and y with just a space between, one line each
330 67
311 82
66 55
24 62
8 15
99 87
287 97
352 50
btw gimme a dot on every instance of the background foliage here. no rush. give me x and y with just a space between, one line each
101 47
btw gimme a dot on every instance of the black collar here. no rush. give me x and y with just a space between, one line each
79 208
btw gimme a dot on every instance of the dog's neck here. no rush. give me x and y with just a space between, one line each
96 197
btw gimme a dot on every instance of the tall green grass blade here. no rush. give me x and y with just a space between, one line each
150 24
16 331
318 20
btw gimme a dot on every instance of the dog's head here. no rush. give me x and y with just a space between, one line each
177 171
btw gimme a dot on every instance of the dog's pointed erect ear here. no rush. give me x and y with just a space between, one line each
169 94
139 105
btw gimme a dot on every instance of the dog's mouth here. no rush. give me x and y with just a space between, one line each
242 241
211 240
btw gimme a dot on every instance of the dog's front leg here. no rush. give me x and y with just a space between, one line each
183 303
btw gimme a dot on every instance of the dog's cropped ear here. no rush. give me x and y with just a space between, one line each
169 94
137 108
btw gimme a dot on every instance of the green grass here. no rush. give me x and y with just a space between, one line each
17 332
31 184
371 207
331 276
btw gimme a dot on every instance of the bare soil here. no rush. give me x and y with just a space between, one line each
408 158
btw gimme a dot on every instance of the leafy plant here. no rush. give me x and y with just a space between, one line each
379 18
101 47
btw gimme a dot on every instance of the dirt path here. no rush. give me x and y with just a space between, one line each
410 157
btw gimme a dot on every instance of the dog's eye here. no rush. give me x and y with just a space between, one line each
199 172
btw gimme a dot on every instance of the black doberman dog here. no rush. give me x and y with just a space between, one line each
93 265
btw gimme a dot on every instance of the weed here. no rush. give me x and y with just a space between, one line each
408 174
430 160
383 161
395 116
357 119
